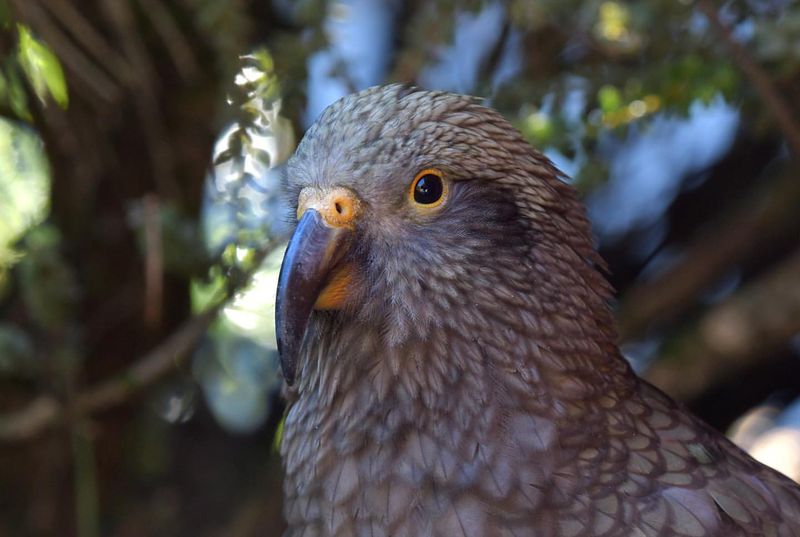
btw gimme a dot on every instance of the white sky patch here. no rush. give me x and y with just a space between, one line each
646 174
361 35
458 64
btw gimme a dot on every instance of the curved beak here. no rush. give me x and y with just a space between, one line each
309 265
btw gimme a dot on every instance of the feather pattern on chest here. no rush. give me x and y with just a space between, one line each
464 380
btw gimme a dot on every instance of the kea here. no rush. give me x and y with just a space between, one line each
450 356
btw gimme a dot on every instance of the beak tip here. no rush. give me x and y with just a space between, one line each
286 351
288 378
306 268
287 367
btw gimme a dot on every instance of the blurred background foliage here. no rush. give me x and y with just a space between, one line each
141 223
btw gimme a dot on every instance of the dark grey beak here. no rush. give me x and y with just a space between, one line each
307 265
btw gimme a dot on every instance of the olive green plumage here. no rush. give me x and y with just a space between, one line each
472 386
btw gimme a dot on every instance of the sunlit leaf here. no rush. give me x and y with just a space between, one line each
224 156
251 312
206 294
24 188
609 99
538 127
42 68
613 21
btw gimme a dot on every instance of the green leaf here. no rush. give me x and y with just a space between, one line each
540 127
207 294
42 68
24 188
609 99
16 97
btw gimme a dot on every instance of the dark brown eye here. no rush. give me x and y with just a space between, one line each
428 188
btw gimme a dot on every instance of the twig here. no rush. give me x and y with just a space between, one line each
179 49
153 261
747 327
28 422
774 102
122 21
90 39
152 367
143 82
771 213
46 412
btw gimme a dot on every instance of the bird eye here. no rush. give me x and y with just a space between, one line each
428 188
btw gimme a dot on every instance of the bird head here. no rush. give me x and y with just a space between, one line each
420 212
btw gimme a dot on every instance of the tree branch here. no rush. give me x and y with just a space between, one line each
773 101
90 39
770 213
176 44
153 261
144 83
46 412
747 327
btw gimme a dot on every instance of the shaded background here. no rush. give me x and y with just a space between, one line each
141 144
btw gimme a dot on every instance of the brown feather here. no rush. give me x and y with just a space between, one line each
475 387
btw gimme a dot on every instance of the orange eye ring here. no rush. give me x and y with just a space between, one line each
428 189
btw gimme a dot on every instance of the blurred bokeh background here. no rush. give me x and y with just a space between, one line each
141 226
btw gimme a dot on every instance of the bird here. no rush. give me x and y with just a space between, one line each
450 356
